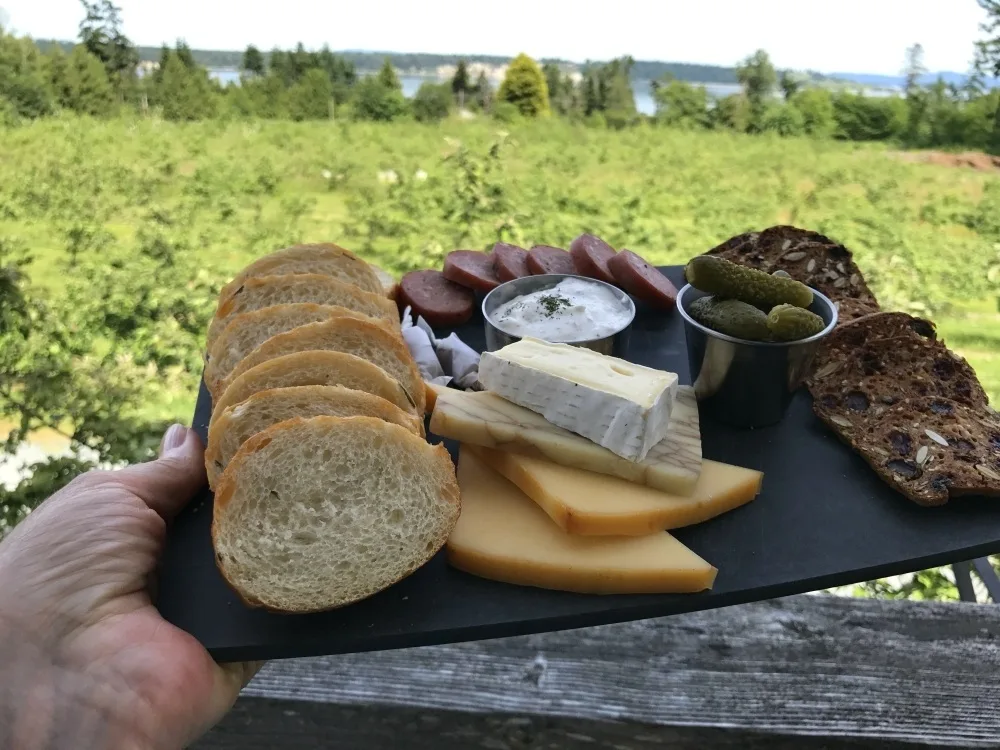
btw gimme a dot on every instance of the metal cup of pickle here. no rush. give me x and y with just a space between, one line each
745 383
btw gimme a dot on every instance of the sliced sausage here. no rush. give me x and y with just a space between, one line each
510 261
471 269
545 259
643 281
441 302
591 255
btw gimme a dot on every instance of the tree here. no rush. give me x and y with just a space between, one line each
340 71
184 54
387 76
253 62
432 102
680 104
917 100
311 97
757 76
24 82
373 100
790 85
87 89
816 106
914 67
185 94
732 112
101 33
987 58
460 83
524 87
484 92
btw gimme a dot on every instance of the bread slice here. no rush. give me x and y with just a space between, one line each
365 339
389 283
930 449
324 258
264 291
240 422
313 514
247 331
315 368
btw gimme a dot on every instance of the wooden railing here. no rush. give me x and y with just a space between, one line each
803 672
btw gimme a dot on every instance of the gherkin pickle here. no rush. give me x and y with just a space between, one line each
726 279
731 317
791 323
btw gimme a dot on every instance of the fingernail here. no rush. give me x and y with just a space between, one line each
173 439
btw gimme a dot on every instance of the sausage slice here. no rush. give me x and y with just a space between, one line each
510 261
591 255
471 269
643 281
441 302
545 259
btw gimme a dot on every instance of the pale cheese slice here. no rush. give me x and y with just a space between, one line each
619 405
502 535
483 418
583 502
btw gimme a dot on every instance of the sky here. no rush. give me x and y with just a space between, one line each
865 36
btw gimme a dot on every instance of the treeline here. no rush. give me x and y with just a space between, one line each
101 76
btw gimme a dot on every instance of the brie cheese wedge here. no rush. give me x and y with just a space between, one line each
619 405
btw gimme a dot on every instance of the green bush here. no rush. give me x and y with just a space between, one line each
816 106
524 87
680 104
432 102
375 101
783 119
732 112
863 118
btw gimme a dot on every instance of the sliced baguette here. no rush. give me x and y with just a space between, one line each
247 331
314 368
313 514
265 291
240 422
363 338
325 258
389 283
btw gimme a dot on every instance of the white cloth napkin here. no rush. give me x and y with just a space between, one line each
440 361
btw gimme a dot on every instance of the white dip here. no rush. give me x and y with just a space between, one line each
572 310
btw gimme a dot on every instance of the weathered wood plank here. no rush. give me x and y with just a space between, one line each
822 667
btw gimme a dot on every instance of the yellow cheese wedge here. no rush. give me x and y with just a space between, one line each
583 502
483 418
501 534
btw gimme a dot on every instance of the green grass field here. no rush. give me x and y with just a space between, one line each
404 194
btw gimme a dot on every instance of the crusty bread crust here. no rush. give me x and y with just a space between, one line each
367 339
339 431
315 368
274 405
323 257
259 292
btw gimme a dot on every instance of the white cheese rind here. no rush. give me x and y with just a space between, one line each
626 413
673 465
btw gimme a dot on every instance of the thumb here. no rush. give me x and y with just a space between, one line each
167 484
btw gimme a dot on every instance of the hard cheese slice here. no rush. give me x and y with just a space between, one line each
619 405
672 465
582 502
501 534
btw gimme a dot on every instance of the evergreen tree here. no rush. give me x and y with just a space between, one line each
165 53
57 66
524 86
387 76
987 60
311 97
299 61
281 66
253 62
184 54
460 82
101 33
917 99
87 89
185 94
757 76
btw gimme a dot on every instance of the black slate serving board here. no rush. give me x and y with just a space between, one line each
823 519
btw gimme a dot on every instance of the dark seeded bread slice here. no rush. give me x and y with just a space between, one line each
741 249
900 350
849 310
929 449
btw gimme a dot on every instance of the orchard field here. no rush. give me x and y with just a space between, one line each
133 224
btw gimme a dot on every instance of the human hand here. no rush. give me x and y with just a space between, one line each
86 661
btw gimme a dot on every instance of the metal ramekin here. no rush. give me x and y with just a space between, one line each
747 383
614 344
